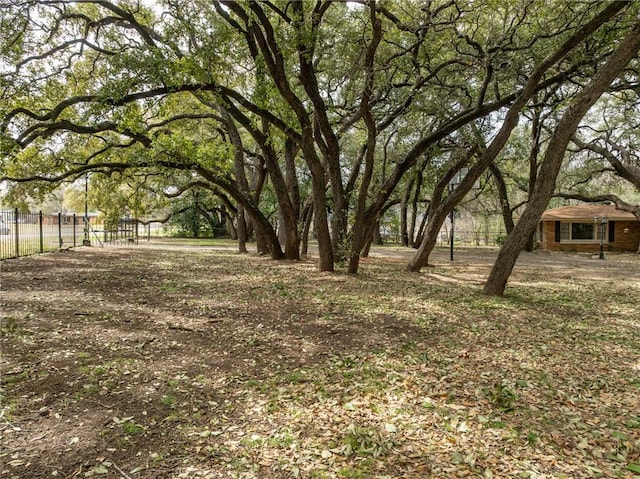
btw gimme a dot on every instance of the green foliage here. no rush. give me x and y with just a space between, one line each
501 396
131 428
195 215
366 441
500 239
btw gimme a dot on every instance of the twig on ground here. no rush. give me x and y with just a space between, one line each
122 473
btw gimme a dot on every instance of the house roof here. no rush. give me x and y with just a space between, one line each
586 212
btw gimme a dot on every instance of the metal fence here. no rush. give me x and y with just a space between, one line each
472 239
462 238
24 234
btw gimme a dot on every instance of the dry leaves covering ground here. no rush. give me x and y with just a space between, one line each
176 361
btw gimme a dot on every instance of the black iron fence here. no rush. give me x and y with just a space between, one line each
24 234
472 239
463 238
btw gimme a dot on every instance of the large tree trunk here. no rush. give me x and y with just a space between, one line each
241 178
436 219
505 207
258 179
414 238
363 225
439 210
320 216
552 161
376 238
405 234
307 215
261 223
321 222
287 209
230 226
240 231
423 224
536 130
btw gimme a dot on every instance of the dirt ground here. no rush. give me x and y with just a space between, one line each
163 360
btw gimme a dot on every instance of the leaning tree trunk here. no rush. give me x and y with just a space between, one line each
232 230
404 205
423 226
439 209
241 178
414 239
536 129
321 218
363 226
436 219
507 216
545 184
288 212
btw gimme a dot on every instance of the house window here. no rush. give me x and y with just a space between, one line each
581 232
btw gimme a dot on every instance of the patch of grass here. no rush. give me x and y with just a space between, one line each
87 389
495 424
131 428
9 327
254 342
295 377
173 286
8 379
99 371
100 378
169 401
532 438
419 356
633 422
282 289
366 441
501 397
7 408
319 474
361 471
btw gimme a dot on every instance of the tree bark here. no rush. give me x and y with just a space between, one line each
536 130
439 210
259 33
363 227
405 234
627 49
307 215
414 239
262 225
505 208
241 178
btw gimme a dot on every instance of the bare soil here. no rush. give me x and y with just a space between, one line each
172 360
